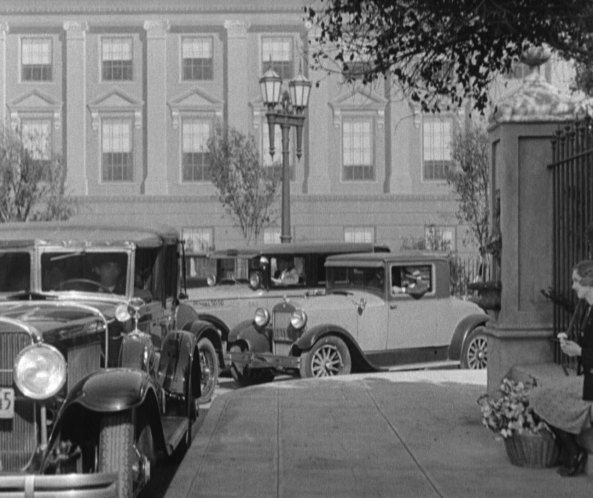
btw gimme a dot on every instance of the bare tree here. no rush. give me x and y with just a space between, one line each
444 51
470 180
245 188
32 183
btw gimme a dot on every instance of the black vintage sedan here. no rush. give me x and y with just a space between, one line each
100 371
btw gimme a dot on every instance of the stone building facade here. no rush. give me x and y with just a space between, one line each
128 92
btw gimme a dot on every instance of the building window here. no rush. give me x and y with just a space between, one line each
357 150
198 240
275 163
359 234
116 147
436 146
272 235
36 59
196 56
116 56
277 54
439 238
36 137
195 135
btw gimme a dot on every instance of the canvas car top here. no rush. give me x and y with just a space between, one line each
73 234
300 248
377 259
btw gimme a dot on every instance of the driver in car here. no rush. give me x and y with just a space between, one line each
109 271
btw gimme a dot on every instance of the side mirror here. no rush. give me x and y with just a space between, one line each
417 289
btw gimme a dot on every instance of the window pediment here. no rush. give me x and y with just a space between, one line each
116 101
359 99
35 102
194 101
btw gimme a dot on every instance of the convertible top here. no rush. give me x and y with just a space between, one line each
26 234
299 248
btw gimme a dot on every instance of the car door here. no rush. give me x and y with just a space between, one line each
411 322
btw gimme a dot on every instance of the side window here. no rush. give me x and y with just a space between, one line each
287 271
15 272
402 276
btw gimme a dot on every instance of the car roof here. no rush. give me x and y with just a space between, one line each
299 248
25 234
377 259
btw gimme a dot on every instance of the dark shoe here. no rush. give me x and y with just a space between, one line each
576 467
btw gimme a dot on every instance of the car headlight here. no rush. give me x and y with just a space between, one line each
298 319
122 313
39 371
262 317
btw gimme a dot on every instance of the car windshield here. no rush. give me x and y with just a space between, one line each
355 278
88 271
15 272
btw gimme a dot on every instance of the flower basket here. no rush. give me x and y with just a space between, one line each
532 450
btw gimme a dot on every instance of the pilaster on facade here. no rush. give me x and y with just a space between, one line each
156 112
238 60
76 118
4 28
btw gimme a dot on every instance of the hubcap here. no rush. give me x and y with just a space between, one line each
326 362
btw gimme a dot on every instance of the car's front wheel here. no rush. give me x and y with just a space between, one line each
475 350
210 369
329 356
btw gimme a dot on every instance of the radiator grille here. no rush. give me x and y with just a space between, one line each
18 436
280 324
82 360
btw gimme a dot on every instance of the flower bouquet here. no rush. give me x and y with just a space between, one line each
528 440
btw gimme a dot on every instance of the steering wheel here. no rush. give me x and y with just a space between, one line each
82 282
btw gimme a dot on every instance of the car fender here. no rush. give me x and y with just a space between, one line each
177 355
250 337
311 336
217 323
462 330
111 390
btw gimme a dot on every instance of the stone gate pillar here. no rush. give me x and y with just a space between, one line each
520 133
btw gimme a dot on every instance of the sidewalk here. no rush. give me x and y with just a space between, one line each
408 434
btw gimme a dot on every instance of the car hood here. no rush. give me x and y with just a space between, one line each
223 291
335 301
52 315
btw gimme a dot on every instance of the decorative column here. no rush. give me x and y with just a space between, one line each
76 117
156 111
520 132
238 75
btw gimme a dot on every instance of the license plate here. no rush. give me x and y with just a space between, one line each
6 402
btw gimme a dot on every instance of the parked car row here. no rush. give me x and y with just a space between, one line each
105 356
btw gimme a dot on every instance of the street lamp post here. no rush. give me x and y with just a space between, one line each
285 109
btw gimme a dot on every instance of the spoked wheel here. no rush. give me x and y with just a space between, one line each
329 356
210 369
475 350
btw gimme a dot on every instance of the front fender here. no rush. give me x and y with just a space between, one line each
111 390
250 337
464 327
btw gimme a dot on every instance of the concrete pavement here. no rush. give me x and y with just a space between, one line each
408 434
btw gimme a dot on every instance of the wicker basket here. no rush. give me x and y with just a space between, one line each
532 450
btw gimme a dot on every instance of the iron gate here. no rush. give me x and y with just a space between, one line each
572 184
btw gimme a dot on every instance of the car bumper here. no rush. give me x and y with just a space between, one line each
252 360
40 486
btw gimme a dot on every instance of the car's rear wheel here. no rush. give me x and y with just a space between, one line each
210 370
475 350
329 356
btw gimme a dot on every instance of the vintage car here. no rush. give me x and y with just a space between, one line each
100 371
380 310
252 277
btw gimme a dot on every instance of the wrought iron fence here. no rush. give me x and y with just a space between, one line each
572 184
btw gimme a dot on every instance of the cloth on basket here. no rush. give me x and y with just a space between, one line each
560 404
